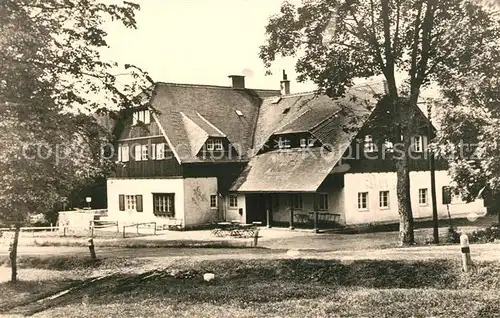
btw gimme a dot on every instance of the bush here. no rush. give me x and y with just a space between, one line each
453 236
487 235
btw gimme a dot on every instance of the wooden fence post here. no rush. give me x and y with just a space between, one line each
92 249
255 237
154 229
124 231
117 227
137 226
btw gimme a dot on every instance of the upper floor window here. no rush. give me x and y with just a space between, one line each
123 153
142 116
418 143
218 145
307 142
369 146
283 143
210 144
388 146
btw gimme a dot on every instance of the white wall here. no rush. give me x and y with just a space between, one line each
146 187
375 182
197 192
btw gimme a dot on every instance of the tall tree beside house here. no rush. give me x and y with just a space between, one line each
338 41
469 139
51 72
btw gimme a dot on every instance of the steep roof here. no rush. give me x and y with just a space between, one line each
313 112
186 111
294 170
334 122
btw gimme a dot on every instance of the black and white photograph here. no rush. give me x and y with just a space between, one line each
249 158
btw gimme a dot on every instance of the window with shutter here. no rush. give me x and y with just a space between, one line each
138 202
137 153
121 202
160 151
125 153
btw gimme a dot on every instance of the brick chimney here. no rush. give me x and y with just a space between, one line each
285 84
238 81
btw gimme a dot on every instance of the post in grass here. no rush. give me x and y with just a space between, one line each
465 248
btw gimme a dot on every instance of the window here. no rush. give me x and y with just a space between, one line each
418 144
383 199
422 196
163 204
144 152
138 153
125 153
130 202
210 145
362 201
218 145
153 151
283 143
142 116
323 201
160 151
369 146
307 142
297 201
388 146
213 201
233 201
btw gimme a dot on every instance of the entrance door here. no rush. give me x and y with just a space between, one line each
256 207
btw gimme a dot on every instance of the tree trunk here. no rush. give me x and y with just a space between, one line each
13 254
406 235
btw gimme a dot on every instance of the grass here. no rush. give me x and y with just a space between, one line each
258 288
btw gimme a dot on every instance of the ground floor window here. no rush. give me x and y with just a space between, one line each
213 201
422 196
362 201
384 199
130 202
233 201
163 204
323 201
297 201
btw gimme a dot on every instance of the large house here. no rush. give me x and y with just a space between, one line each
197 154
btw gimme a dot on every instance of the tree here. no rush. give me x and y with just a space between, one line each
425 41
52 78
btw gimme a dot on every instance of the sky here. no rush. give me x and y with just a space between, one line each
201 42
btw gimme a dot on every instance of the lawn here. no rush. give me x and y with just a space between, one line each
286 287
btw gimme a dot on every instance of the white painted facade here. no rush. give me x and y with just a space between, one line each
373 183
146 188
191 200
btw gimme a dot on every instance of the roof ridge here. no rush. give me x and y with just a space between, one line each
216 86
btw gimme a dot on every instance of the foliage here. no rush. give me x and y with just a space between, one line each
338 41
52 78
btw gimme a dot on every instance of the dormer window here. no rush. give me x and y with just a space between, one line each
210 144
283 143
307 142
215 144
218 145
369 146
141 116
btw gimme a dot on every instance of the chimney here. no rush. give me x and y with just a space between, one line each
238 81
285 85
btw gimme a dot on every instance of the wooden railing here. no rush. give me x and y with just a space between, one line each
136 225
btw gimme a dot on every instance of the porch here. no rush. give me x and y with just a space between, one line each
318 210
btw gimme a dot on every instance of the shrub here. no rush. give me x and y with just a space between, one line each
487 235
